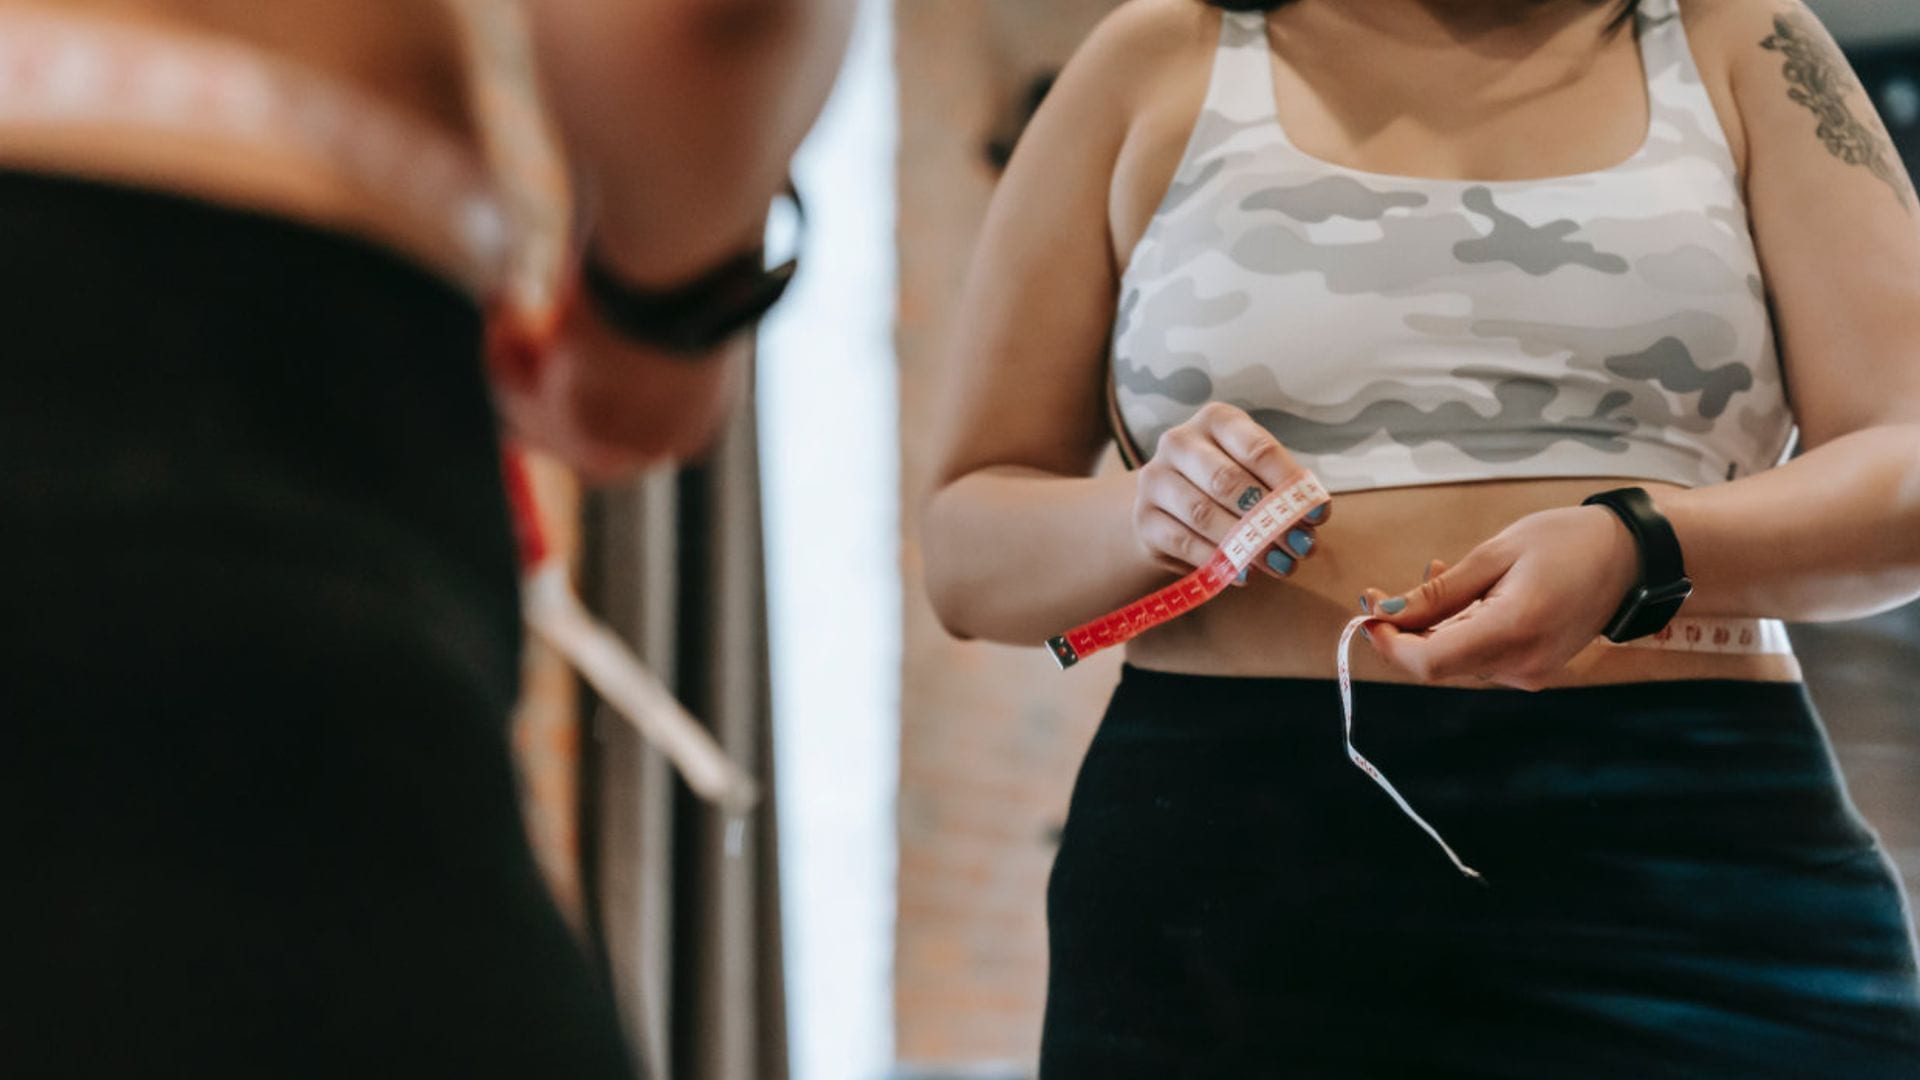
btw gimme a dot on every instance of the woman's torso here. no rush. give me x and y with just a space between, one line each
1376 88
403 55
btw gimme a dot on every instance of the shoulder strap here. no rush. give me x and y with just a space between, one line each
1674 86
1242 84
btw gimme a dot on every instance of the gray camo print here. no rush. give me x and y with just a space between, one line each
1396 331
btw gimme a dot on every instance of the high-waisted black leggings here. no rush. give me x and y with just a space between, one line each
1676 886
259 640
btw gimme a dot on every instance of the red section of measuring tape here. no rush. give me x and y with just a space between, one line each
1142 615
531 537
1261 526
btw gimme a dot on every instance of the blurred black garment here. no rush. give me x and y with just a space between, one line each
259 641
1676 886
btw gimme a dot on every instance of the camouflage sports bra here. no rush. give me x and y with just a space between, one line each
1394 331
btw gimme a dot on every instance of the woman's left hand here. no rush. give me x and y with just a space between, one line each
1518 607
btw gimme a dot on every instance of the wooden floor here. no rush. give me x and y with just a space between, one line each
1865 678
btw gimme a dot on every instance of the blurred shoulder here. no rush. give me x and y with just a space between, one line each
1731 35
1143 42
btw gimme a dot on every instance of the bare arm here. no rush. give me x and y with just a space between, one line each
1019 541
680 117
1006 533
1835 533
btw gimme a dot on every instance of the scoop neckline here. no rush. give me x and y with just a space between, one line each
1639 152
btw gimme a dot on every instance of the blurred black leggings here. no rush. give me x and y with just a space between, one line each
1677 886
258 645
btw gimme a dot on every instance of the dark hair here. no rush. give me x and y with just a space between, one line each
1628 8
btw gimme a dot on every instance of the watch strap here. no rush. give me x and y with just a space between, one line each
1661 561
1662 586
695 318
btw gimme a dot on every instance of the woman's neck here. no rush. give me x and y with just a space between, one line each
1493 27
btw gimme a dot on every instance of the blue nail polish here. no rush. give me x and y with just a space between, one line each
1242 579
1365 608
1250 498
1300 541
1279 563
1393 606
1317 514
1366 633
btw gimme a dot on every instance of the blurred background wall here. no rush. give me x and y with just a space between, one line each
990 736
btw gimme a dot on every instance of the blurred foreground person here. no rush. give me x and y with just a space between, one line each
260 635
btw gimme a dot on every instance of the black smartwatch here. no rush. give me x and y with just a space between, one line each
1663 585
694 319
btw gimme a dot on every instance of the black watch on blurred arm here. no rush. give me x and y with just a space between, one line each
693 320
1663 585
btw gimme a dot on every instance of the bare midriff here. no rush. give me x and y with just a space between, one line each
404 52
1384 539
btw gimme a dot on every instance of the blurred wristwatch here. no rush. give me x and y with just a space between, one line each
1663 585
694 319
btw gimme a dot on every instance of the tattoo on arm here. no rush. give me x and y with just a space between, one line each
1819 79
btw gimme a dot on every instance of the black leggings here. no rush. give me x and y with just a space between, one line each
258 646
1676 886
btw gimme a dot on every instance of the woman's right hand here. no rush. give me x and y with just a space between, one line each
1204 476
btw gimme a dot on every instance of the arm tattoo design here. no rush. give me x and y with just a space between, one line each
1819 79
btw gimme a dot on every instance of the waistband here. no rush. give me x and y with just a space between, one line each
1200 693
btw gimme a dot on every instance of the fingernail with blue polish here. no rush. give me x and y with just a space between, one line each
1317 514
1365 608
1279 563
1242 579
1366 633
1393 606
1300 541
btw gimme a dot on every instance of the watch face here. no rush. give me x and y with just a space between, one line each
1646 610
1672 593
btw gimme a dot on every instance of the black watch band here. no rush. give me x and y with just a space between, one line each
1663 584
693 319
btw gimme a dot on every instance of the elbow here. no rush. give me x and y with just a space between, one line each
946 589
950 613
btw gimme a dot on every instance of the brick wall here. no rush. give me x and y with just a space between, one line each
990 735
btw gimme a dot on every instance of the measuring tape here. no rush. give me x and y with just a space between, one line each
1262 525
1286 508
508 216
64 71
553 611
538 283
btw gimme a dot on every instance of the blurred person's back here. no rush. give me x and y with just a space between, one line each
404 50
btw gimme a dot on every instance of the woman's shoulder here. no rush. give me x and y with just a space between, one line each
1740 46
1730 37
1141 43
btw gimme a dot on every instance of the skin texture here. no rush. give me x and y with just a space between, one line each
1819 80
679 117
1024 538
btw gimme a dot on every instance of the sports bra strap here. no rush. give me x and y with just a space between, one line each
1675 90
1242 84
